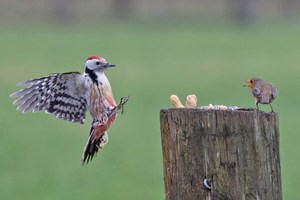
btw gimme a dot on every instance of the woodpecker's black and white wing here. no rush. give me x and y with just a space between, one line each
62 95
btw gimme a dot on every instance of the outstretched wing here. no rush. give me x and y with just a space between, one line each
61 95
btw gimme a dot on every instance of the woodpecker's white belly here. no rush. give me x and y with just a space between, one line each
99 96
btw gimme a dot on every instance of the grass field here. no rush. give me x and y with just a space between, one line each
41 155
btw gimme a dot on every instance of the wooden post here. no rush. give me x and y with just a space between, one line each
236 151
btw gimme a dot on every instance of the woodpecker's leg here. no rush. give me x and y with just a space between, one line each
257 106
271 108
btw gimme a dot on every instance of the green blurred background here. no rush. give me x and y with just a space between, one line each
207 48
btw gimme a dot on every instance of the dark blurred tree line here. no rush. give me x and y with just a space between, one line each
68 10
240 10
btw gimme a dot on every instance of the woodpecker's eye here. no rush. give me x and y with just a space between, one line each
97 63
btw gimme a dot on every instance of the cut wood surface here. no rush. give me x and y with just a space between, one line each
236 151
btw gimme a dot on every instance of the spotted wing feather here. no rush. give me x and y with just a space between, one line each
62 95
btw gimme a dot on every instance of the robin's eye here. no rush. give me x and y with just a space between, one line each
251 81
97 63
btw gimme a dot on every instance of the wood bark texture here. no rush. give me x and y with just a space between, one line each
236 151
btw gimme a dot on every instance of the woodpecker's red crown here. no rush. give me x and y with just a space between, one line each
93 57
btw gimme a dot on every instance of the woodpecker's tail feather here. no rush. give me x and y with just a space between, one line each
93 146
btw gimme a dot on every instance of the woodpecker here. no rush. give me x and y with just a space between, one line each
262 91
68 95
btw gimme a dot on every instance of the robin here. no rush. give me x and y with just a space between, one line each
262 91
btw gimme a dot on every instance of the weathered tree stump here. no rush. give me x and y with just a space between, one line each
236 151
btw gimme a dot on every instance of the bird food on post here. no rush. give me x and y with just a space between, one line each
191 102
68 95
176 102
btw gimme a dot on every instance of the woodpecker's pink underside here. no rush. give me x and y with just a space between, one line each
93 57
110 99
111 102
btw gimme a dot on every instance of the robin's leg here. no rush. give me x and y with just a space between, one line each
257 105
271 108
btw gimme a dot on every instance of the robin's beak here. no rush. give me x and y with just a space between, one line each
110 65
248 83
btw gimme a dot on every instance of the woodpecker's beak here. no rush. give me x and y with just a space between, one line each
110 65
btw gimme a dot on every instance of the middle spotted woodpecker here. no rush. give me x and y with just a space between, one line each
68 96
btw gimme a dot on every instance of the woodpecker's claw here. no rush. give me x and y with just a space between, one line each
123 100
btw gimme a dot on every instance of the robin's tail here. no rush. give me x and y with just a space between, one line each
93 145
